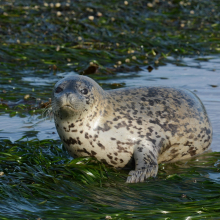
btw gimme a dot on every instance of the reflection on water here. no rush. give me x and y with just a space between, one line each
14 128
202 77
215 177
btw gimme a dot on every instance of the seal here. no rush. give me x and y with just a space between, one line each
145 125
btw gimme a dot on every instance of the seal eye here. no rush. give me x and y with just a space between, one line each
58 90
84 91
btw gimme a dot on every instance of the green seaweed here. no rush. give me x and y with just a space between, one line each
41 180
72 34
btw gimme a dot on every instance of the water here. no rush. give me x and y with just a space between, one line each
199 76
186 185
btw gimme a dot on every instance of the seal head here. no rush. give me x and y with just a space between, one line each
73 96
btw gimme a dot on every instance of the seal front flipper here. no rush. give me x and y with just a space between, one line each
145 164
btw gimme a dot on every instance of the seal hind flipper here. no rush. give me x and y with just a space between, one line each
136 176
145 163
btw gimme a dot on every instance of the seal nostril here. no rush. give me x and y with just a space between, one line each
58 90
68 93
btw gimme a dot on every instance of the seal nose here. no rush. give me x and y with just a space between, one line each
68 93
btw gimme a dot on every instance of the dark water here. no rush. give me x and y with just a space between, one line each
202 77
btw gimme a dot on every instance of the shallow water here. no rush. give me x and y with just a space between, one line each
199 76
191 185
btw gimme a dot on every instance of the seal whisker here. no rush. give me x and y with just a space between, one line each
47 112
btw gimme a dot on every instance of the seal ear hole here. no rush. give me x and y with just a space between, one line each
58 90
84 91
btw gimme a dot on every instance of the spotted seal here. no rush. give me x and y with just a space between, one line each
146 125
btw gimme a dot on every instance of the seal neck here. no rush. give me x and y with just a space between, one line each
103 108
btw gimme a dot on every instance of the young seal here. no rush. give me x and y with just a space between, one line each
149 125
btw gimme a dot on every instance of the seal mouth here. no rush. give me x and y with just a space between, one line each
68 106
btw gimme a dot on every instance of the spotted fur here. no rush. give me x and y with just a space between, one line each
147 125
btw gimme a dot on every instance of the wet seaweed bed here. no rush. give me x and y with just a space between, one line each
40 181
71 34
134 43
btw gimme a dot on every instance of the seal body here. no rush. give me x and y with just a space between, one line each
147 125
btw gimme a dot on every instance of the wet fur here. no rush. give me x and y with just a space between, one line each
150 125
